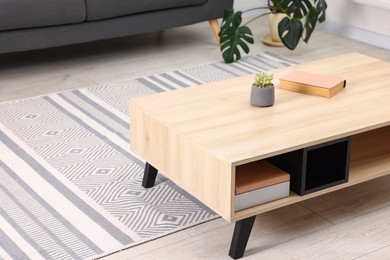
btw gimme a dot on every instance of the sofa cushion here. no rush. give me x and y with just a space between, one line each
103 9
17 14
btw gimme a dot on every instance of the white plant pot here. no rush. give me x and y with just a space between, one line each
273 21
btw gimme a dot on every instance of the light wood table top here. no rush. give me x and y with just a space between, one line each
219 117
214 125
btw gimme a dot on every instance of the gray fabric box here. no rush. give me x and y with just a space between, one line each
261 196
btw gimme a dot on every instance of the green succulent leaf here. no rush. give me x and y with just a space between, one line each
290 31
233 35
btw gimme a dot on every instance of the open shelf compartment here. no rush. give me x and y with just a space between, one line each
369 159
316 167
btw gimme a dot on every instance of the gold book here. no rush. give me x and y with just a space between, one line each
312 83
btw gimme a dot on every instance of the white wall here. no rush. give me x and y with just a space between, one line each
363 20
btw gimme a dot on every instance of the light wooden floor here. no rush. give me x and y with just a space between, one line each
350 224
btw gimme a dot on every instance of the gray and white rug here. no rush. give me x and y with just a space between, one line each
70 188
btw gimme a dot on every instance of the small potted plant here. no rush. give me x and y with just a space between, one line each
263 90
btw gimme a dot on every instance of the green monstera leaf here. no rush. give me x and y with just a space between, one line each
303 16
296 9
311 22
233 35
316 13
290 31
321 7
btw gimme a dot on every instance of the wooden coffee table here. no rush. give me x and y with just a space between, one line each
199 136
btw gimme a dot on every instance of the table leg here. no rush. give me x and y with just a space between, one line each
242 230
150 175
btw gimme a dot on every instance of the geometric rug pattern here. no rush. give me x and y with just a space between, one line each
70 187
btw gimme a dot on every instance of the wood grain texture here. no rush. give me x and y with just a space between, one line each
219 117
282 230
257 175
199 135
186 163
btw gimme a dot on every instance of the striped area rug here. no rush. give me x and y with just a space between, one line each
70 188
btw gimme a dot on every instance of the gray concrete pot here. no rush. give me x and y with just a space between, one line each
262 97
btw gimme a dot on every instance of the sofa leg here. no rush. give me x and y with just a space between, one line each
215 27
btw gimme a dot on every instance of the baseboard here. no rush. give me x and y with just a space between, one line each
358 34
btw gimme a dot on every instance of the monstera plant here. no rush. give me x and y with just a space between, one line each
300 21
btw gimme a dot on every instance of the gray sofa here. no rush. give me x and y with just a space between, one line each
36 24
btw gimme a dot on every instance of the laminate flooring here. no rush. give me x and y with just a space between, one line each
353 223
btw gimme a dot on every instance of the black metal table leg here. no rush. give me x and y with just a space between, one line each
242 230
150 175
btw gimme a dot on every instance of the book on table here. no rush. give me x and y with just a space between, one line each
259 182
312 83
